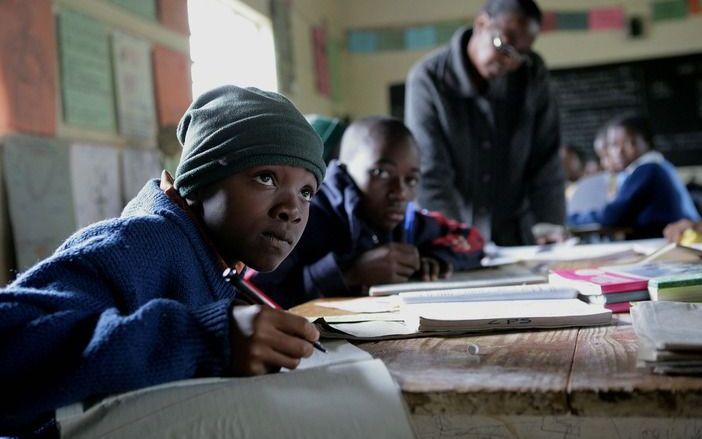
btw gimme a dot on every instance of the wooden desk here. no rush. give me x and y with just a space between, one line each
582 380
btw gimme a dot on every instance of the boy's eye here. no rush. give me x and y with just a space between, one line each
265 179
412 181
307 193
380 173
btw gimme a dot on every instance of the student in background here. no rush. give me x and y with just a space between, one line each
140 300
650 194
361 231
573 163
483 114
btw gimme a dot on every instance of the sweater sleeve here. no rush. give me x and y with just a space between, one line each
80 325
632 196
422 116
630 199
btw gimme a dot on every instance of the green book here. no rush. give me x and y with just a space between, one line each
680 288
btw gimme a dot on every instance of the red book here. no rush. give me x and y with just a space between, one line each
592 281
618 307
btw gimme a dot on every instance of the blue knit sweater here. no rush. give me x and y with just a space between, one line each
122 304
650 196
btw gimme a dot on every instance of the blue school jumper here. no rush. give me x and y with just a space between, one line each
336 235
650 196
123 304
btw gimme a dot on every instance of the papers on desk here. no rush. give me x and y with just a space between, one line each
406 287
670 336
355 397
438 313
569 252
512 292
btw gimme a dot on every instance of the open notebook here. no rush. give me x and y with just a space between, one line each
439 313
342 394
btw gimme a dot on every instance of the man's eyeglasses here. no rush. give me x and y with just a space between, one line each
498 42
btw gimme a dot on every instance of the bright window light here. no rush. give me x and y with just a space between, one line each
230 44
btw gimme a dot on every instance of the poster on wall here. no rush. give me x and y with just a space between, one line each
86 76
39 196
95 183
136 111
321 62
27 51
173 85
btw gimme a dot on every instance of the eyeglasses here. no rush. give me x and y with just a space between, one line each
498 42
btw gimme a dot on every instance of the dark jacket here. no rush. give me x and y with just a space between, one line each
123 304
335 236
502 176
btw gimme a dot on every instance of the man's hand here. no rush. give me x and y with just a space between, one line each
264 339
547 233
389 263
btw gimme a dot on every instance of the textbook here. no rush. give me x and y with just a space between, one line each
680 288
626 296
512 315
511 292
456 318
594 281
654 269
388 289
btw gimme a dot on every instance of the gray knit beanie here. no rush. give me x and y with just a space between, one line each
230 129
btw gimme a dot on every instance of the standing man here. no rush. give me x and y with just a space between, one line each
482 112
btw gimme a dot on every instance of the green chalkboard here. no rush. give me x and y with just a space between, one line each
666 90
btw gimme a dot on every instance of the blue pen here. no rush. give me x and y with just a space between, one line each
409 223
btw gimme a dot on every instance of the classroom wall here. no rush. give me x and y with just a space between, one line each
370 75
304 15
90 92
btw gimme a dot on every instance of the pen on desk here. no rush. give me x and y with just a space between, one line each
255 296
408 227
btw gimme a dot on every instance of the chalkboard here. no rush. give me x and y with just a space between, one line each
666 90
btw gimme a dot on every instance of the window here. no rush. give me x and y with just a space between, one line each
230 43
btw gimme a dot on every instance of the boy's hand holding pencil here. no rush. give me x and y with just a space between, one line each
264 339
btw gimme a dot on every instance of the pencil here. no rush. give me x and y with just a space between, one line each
255 296
408 227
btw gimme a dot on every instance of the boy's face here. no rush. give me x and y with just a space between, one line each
623 147
387 174
258 215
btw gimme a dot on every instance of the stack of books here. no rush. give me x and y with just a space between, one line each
667 280
670 336
598 286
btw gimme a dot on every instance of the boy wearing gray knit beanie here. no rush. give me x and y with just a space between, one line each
147 298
